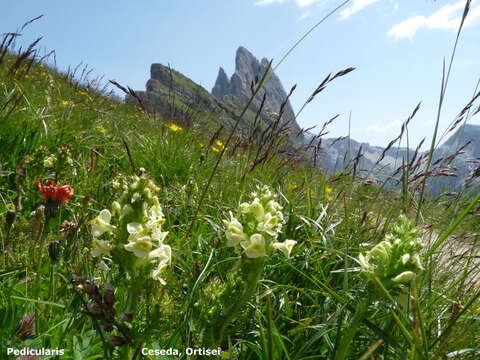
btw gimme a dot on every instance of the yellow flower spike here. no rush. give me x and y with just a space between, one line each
215 149
174 127
328 190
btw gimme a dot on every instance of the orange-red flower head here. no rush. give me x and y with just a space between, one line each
53 193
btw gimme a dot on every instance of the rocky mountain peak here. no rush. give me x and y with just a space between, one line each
222 85
246 63
247 69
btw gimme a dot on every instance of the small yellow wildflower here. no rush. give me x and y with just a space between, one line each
292 187
328 193
101 128
67 103
201 145
218 146
174 127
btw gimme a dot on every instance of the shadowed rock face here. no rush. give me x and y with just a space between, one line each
222 85
248 69
170 94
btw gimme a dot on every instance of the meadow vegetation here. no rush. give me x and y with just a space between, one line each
122 231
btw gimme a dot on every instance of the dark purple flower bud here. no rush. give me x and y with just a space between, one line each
117 341
80 279
29 357
106 326
127 316
26 327
109 295
88 287
109 312
94 308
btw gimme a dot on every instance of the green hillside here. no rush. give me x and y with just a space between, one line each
158 234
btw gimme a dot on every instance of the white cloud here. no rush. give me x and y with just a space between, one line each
383 128
300 3
357 6
305 15
396 7
407 28
303 3
447 17
268 2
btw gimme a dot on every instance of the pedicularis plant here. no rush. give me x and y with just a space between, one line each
395 261
131 237
388 269
253 233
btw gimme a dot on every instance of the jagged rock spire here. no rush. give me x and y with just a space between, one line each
247 69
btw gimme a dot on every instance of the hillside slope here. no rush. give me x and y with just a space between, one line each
122 231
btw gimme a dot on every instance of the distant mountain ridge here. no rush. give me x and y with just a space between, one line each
171 94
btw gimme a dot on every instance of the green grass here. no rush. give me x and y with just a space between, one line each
303 307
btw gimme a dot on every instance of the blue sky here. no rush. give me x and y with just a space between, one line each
397 47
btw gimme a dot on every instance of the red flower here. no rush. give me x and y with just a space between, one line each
53 193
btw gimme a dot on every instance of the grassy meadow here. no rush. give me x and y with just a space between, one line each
122 232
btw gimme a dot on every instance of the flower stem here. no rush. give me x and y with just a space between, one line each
251 270
42 236
351 330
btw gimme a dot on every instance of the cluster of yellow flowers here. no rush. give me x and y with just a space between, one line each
256 228
49 161
67 103
218 146
139 213
396 259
